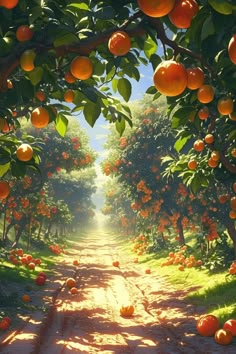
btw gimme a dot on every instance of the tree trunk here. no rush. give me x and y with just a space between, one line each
181 232
232 233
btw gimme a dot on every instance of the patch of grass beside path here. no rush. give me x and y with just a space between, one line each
216 292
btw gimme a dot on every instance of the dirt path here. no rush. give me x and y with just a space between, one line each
90 322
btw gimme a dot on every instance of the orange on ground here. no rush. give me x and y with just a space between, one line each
81 67
225 105
27 60
119 43
231 326
170 78
223 336
198 145
24 152
209 138
127 311
232 49
39 117
183 13
207 325
70 282
4 189
9 4
26 298
69 96
196 78
156 8
24 33
73 290
205 94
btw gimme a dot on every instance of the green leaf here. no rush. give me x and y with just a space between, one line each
114 84
181 116
36 12
124 87
180 143
208 28
4 168
195 184
61 124
36 75
223 7
80 6
120 126
65 38
92 112
105 13
150 47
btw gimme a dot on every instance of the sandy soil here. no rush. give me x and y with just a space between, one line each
90 321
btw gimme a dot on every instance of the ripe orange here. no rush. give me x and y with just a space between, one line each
119 43
81 68
223 336
233 203
203 113
225 105
70 282
170 78
26 298
198 145
205 94
231 326
232 49
156 8
73 290
209 138
27 60
195 78
9 84
4 189
215 155
39 117
24 152
192 164
183 13
233 152
40 95
69 96
24 33
212 163
207 325
9 4
232 116
69 78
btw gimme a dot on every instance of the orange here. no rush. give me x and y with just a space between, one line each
73 290
170 78
205 94
119 43
195 78
70 282
69 78
81 68
24 33
69 96
156 8
27 60
231 326
24 152
225 105
232 116
203 113
215 155
26 298
192 164
39 117
183 12
4 189
209 138
233 152
40 95
9 4
9 84
223 336
233 203
232 49
207 325
198 145
212 163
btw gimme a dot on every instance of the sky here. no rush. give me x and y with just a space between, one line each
98 134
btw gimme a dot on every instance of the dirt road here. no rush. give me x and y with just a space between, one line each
90 322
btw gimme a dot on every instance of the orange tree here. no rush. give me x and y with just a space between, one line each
78 53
